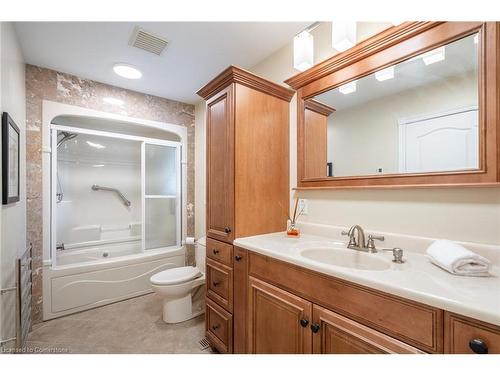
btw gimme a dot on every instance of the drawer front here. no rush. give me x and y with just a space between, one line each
220 251
220 284
416 324
219 326
469 336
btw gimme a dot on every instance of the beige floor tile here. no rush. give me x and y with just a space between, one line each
131 326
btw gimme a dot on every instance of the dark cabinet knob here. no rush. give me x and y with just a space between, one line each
304 322
227 230
215 327
478 346
315 327
215 251
237 258
216 283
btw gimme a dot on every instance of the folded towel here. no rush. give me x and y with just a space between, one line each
458 260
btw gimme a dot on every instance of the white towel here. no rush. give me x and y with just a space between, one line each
458 260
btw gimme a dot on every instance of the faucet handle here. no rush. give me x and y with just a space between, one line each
371 241
352 239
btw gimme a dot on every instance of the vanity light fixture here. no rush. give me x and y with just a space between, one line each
303 51
95 145
113 101
127 71
303 48
348 88
434 56
343 35
385 74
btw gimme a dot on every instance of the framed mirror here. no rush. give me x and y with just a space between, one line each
414 105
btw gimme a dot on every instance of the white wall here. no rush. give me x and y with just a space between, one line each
13 216
467 214
199 171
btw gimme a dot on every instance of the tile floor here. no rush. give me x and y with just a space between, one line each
131 326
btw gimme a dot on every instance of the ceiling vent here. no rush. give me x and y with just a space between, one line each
148 42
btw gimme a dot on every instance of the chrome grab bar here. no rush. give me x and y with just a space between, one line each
126 202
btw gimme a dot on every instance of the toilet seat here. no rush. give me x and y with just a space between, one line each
174 276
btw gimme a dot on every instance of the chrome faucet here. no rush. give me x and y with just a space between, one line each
357 239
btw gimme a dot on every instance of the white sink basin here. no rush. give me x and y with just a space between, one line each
346 258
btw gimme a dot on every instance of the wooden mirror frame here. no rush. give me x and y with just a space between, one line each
390 47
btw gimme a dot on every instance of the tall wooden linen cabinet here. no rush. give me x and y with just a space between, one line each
247 129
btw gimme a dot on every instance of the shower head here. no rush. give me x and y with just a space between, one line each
66 137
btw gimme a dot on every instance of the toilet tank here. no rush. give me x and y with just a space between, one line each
200 253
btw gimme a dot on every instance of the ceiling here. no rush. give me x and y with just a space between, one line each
196 52
461 58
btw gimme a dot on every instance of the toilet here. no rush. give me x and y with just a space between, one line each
182 288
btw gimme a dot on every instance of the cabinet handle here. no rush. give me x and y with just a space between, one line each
304 322
315 327
478 346
215 251
227 230
216 283
215 327
238 258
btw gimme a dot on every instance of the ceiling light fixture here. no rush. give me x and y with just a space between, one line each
385 74
113 101
95 145
348 88
343 35
127 71
434 56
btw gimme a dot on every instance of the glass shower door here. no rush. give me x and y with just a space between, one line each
161 187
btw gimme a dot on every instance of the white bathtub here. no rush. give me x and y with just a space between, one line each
98 252
84 278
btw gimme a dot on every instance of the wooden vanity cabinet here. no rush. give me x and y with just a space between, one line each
247 119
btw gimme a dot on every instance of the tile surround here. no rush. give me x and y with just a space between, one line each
45 84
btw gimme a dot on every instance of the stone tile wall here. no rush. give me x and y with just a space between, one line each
45 84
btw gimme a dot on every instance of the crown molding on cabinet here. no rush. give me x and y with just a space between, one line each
318 107
234 74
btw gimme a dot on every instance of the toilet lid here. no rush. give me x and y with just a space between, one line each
175 275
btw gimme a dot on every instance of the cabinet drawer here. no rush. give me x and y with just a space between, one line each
219 327
469 336
220 284
220 251
416 324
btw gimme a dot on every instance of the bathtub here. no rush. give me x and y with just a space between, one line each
102 273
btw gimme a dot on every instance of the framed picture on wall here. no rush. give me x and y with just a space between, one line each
10 160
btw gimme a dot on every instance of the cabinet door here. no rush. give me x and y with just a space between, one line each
278 322
220 166
468 336
335 334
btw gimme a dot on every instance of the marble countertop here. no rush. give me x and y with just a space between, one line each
416 279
